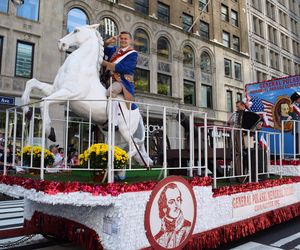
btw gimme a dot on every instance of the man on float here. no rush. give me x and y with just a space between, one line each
121 62
295 98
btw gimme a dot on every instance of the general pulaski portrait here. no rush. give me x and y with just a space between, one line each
174 227
281 112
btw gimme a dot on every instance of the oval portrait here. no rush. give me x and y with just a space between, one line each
170 214
281 113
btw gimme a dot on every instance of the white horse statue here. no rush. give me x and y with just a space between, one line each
78 79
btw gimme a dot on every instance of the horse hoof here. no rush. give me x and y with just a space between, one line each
28 115
52 136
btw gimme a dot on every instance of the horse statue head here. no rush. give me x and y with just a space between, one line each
78 80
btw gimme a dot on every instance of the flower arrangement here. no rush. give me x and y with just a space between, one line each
36 152
98 156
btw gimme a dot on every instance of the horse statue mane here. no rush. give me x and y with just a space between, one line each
77 80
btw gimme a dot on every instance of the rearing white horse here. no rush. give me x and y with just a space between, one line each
78 79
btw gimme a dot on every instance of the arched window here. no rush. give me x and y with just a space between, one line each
205 63
76 17
206 81
108 28
141 41
188 57
163 49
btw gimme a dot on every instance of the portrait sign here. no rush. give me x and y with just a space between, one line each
281 112
170 214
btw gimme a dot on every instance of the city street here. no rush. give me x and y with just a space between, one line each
11 216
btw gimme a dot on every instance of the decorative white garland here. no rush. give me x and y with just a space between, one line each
287 170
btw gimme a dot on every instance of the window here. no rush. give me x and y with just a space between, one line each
189 92
163 12
274 59
296 48
256 4
164 84
227 67
258 26
141 41
270 10
142 6
1 51
29 10
239 96
24 59
187 21
142 80
205 63
286 66
234 18
108 28
202 4
237 71
163 48
226 39
204 30
76 17
236 43
260 53
284 42
272 33
206 96
188 1
260 76
283 18
229 101
224 13
294 25
4 6
188 57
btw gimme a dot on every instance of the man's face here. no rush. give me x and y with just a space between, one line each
285 109
124 40
54 150
173 202
240 106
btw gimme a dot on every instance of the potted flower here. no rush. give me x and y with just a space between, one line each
97 154
36 152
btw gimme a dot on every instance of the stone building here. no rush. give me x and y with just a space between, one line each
192 54
274 38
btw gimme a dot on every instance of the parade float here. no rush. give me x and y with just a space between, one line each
167 212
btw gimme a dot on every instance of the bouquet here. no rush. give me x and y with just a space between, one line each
36 152
98 156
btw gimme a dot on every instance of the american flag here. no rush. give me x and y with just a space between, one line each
264 109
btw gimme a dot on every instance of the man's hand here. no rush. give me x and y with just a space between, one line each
111 40
108 65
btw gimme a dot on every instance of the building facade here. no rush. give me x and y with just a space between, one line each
192 54
274 38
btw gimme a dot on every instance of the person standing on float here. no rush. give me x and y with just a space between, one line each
295 98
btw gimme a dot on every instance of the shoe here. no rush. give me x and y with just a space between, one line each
105 128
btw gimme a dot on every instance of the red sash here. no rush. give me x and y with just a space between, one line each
117 55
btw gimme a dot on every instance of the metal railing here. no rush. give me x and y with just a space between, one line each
242 155
290 130
169 125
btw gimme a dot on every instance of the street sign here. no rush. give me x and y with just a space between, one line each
7 100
